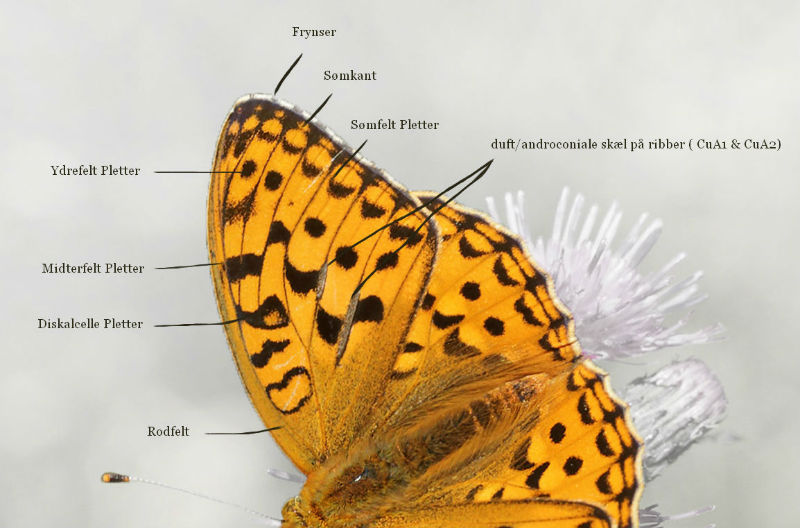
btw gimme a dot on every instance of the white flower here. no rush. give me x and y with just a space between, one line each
620 313
673 409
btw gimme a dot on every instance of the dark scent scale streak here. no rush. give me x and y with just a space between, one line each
285 75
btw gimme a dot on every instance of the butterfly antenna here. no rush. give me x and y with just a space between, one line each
480 172
116 478
285 75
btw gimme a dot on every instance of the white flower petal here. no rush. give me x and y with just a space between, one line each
619 312
674 408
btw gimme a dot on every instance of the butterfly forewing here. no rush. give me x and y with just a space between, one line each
286 200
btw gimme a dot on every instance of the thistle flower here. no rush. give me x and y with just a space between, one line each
621 313
618 311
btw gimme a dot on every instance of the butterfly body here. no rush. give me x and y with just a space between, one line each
418 365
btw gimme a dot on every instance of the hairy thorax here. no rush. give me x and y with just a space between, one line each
348 492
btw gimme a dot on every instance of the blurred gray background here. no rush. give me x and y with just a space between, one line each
149 84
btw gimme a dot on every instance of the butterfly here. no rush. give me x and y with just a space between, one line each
414 360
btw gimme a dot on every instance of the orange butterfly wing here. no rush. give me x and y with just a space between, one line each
453 365
286 199
541 513
582 444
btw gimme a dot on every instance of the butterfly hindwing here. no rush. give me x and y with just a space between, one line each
541 513
571 438
568 436
287 203
486 302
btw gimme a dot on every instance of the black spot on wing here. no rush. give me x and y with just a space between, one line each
346 257
557 433
270 314
314 227
612 415
261 359
290 147
241 143
467 250
453 346
337 190
601 441
533 282
427 302
544 342
494 326
240 210
572 465
498 494
442 321
387 260
401 232
242 266
603 484
369 309
584 410
371 210
571 385
536 475
309 169
272 180
328 326
527 314
287 378
471 291
500 271
412 347
474 491
248 168
278 234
